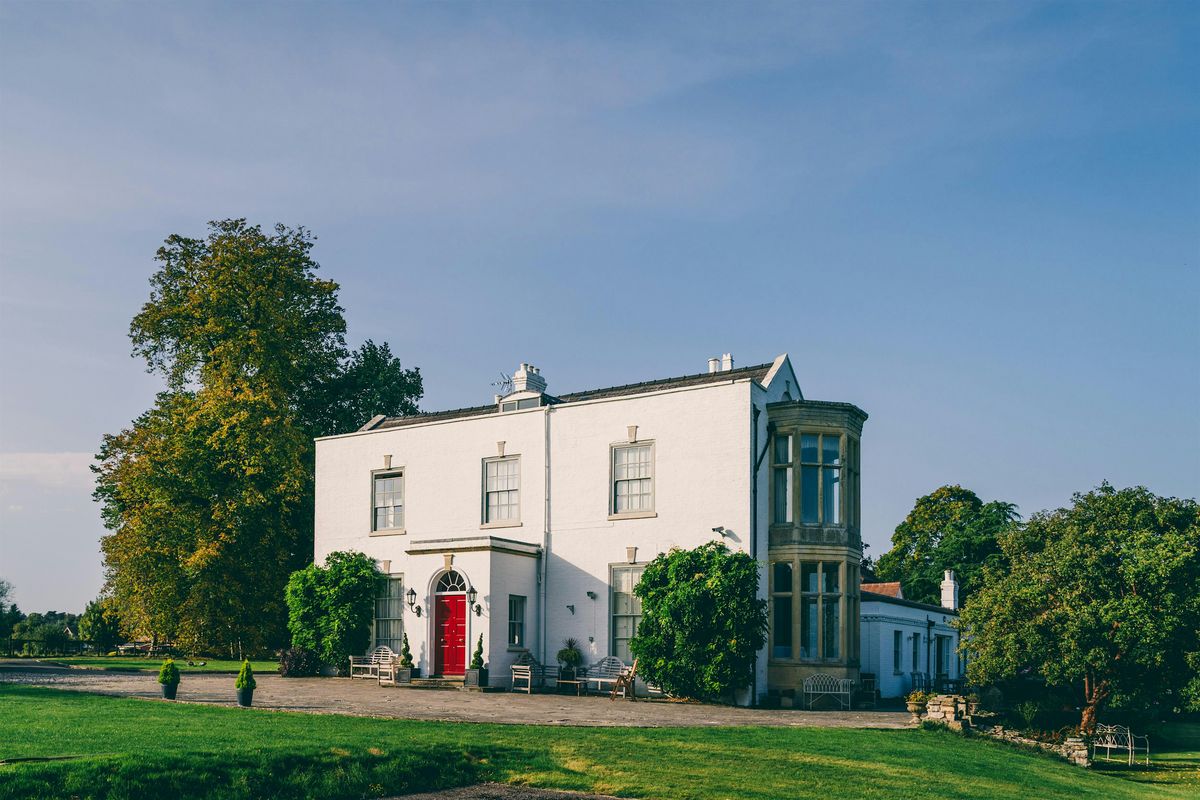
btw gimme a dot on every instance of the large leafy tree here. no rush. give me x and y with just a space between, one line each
330 606
951 528
209 493
702 621
100 624
1099 599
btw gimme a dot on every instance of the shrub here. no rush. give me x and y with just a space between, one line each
1028 712
406 661
168 673
476 657
330 607
919 697
702 621
298 662
245 677
570 655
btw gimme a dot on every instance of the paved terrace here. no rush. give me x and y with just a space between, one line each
365 698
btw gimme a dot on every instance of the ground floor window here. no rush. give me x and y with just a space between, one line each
389 603
897 655
814 614
516 620
626 608
916 653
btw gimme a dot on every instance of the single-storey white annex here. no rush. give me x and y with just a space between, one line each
529 520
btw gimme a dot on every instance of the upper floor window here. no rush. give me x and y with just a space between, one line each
781 469
821 478
502 489
388 501
632 478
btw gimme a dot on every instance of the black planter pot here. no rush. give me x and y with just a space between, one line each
476 677
168 690
566 673
245 697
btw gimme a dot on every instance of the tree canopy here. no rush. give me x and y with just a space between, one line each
702 621
208 494
950 528
1099 598
330 606
101 624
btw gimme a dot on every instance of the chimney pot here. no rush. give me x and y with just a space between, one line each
949 590
714 364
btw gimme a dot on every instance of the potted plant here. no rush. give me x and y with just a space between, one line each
245 684
477 674
916 703
405 672
569 659
168 678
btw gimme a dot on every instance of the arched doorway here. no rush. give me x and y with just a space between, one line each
450 624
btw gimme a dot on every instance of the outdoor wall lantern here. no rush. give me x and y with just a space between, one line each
412 602
472 596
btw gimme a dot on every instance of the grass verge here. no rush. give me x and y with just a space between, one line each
127 748
142 664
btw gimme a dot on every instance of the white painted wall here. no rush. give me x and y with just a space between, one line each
879 620
703 467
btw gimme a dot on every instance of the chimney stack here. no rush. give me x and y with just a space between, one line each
714 364
726 362
528 378
949 591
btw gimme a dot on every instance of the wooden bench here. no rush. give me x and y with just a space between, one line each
368 666
527 671
822 685
1121 739
605 673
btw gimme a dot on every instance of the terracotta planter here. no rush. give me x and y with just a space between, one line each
168 690
916 710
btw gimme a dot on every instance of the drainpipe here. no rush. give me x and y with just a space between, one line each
545 560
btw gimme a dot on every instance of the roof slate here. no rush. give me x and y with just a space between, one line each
757 373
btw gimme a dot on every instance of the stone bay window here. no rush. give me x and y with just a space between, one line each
815 545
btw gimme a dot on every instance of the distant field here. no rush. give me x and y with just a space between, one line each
109 747
152 664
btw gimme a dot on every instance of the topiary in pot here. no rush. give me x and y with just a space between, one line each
569 658
168 678
245 684
405 671
477 674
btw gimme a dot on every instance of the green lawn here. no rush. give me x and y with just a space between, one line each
121 663
127 748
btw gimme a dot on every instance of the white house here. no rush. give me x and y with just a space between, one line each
908 645
529 520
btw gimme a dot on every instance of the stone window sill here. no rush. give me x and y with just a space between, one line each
633 515
390 532
508 523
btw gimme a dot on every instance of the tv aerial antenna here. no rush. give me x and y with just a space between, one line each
505 385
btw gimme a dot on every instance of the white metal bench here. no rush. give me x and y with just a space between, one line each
822 685
605 673
528 674
368 666
1117 737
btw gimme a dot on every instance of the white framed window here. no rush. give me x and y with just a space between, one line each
632 478
626 608
516 620
387 503
389 605
502 489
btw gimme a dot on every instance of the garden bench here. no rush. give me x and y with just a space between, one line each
368 666
605 673
1121 739
823 685
526 670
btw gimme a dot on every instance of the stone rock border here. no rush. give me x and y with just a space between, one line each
955 712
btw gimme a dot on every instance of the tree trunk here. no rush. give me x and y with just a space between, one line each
1094 693
1088 722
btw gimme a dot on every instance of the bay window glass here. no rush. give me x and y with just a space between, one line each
782 472
781 598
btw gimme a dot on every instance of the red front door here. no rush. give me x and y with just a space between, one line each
450 627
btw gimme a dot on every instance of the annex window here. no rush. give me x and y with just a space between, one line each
781 615
626 609
632 478
781 471
520 405
389 604
821 478
502 490
516 620
897 652
388 501
916 652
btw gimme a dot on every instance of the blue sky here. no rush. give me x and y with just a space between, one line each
977 221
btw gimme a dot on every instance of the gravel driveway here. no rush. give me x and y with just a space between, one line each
365 698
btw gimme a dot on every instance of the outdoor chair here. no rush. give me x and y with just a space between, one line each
368 666
1118 737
